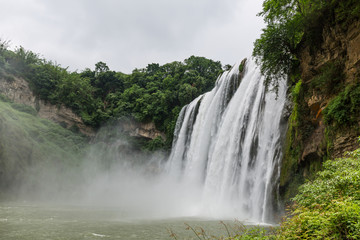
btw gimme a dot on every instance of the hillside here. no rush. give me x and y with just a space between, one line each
30 145
18 91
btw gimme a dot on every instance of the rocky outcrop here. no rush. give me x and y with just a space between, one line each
18 91
338 44
144 130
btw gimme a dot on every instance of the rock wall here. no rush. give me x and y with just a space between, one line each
341 45
338 44
18 91
310 140
144 130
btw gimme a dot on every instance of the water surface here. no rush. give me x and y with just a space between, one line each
34 221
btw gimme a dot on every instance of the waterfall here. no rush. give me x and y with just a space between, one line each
227 147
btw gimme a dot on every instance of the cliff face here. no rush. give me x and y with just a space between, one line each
144 130
339 46
18 91
330 75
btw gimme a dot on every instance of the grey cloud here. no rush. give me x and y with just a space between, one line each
131 33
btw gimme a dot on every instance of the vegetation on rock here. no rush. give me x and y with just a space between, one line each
329 206
344 109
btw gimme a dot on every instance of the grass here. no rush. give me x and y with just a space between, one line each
30 145
233 231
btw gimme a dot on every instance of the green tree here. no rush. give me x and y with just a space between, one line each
101 67
275 50
4 45
44 77
187 93
75 92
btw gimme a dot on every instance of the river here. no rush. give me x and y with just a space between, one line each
43 221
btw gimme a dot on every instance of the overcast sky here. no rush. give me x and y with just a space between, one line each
128 34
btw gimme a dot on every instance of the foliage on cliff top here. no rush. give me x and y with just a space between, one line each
155 93
291 23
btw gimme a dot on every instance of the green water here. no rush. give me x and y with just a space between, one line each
24 221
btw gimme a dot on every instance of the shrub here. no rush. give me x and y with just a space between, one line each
345 108
24 108
4 98
329 206
155 144
329 80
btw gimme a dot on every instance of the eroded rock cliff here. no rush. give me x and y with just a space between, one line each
144 130
325 122
340 49
18 91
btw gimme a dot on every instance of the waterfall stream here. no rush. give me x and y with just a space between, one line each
227 147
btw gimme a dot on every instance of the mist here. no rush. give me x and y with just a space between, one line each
111 172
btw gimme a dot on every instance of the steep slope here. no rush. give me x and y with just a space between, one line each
338 60
30 145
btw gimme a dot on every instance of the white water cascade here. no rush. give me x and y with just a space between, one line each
227 147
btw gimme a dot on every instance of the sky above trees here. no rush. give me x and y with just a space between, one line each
128 34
